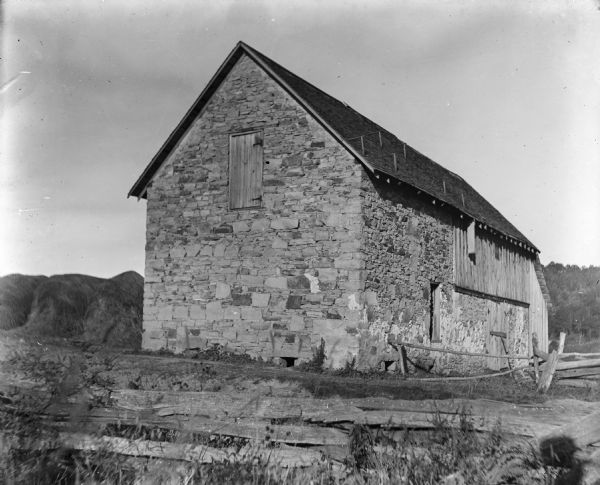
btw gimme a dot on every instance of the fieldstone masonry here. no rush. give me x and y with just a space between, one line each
333 254
268 282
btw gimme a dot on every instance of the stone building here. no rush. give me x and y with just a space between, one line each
279 218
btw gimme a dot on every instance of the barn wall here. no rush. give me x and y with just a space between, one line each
409 244
497 269
332 254
269 282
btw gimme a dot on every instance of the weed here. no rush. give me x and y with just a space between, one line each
317 361
361 447
349 369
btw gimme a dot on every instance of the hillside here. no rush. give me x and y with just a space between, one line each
575 293
96 310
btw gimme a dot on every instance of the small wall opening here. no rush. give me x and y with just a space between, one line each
289 361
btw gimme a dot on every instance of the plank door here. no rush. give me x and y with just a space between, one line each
497 321
245 170
435 295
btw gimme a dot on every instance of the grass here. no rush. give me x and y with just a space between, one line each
444 453
375 456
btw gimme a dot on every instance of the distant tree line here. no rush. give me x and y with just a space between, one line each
575 294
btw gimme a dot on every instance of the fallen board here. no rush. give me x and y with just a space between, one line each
524 420
583 432
285 457
213 405
249 429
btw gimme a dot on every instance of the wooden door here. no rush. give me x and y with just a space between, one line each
497 321
245 170
435 295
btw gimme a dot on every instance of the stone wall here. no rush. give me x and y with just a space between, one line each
269 282
408 245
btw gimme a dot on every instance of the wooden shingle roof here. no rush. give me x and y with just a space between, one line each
379 150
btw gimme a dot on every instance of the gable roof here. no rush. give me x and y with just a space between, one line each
379 150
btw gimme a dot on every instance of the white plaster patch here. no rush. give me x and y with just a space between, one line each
379 329
353 303
314 283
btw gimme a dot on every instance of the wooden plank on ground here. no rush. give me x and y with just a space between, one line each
219 405
516 425
123 446
255 429
285 456
583 431
526 420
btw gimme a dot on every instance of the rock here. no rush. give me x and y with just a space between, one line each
222 291
298 282
181 312
260 299
284 223
294 302
251 313
240 226
223 229
241 299
277 282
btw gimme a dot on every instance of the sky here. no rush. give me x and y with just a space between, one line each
504 93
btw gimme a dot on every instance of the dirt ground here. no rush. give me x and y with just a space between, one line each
61 370
219 371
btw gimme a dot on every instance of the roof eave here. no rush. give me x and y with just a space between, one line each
528 244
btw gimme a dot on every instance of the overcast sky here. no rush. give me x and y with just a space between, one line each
506 94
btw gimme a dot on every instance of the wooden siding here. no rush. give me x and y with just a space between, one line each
495 269
245 170
538 312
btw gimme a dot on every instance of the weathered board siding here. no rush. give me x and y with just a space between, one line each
496 269
538 312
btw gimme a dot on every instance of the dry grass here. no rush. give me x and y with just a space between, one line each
374 458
